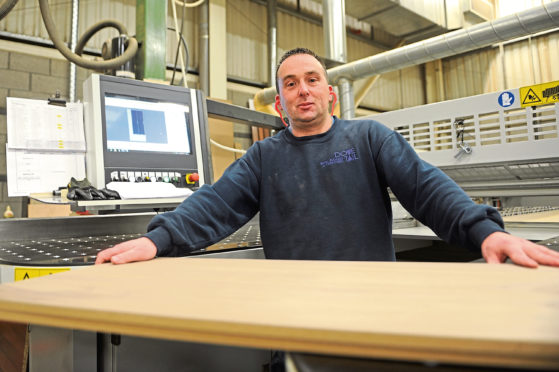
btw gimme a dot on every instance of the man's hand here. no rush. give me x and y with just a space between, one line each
499 245
141 249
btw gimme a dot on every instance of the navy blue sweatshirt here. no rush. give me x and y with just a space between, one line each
325 197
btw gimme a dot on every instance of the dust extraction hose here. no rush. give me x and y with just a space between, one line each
6 7
75 57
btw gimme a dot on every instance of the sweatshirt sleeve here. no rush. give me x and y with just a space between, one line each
211 213
434 198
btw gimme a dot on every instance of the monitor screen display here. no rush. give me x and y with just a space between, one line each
145 125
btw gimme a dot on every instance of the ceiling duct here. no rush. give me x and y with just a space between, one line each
524 23
401 18
480 9
334 32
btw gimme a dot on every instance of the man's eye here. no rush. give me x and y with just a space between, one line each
290 84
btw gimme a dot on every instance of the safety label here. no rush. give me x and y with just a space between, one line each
24 273
506 99
541 94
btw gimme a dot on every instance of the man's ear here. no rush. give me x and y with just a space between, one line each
278 102
332 98
278 108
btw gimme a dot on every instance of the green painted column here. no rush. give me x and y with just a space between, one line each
151 33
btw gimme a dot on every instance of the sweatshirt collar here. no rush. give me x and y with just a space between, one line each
315 137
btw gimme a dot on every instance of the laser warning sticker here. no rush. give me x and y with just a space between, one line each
541 94
24 273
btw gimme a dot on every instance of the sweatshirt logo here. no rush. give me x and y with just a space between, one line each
344 156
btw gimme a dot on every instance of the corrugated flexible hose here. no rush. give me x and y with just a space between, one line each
75 57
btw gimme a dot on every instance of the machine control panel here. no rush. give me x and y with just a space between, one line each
142 132
188 179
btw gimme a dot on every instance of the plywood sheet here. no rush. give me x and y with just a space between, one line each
222 132
551 216
48 210
501 315
13 347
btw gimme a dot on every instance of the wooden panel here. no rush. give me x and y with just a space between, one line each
500 315
13 347
550 216
221 131
48 210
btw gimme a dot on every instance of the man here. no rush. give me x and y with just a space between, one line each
321 189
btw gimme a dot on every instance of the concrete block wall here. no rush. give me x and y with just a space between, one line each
37 72
29 72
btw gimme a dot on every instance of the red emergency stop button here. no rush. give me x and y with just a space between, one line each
192 178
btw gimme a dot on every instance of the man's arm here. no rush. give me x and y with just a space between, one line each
141 249
207 216
434 198
439 203
498 246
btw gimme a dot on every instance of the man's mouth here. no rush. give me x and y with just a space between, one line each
305 105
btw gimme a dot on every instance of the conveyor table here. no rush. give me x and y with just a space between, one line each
458 313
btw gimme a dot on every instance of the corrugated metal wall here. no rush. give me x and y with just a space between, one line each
532 61
433 10
506 7
190 34
247 30
295 32
525 62
246 34
25 19
470 74
247 37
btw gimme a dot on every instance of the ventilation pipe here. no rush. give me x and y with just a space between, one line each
76 58
6 7
333 24
272 40
204 49
524 23
347 102
73 42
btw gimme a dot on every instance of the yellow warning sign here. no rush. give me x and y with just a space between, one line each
24 273
541 94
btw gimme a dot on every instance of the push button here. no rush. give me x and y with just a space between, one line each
192 178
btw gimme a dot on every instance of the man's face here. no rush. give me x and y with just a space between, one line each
304 93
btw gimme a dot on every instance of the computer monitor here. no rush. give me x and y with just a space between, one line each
145 132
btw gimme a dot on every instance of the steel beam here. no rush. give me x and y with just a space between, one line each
238 114
151 30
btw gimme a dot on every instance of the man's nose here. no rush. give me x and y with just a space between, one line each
303 89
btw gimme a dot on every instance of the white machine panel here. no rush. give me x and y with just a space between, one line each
494 125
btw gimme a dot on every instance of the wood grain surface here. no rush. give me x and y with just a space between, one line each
549 216
13 347
467 313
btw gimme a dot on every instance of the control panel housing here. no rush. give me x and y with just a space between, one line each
138 131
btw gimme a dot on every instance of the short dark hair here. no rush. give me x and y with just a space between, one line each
299 50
